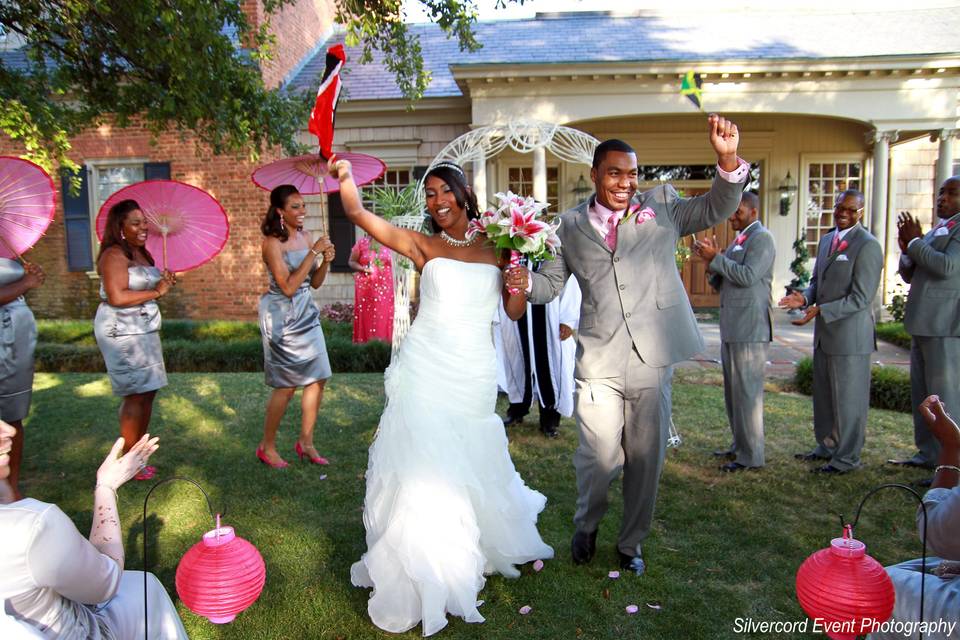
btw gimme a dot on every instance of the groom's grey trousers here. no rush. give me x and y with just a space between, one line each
624 422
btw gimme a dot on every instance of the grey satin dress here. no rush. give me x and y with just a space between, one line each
18 340
129 338
294 351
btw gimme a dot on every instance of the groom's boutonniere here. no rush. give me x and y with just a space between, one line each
638 215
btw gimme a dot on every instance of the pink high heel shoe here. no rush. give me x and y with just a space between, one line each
265 460
313 459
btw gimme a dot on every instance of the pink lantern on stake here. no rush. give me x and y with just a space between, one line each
221 575
843 588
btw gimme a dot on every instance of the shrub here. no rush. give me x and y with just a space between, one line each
894 333
199 346
889 386
898 303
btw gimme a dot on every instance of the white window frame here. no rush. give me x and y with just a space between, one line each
93 167
555 208
803 192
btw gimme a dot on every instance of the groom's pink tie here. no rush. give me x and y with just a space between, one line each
835 243
611 237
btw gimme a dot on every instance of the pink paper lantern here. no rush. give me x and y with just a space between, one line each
845 590
221 575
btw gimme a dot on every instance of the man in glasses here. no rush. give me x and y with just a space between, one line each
840 296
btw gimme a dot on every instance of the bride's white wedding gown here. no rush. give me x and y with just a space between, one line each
444 504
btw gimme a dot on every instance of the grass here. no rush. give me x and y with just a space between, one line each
723 546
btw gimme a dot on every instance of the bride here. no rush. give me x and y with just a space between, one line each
444 505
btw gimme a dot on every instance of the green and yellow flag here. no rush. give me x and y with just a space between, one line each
690 87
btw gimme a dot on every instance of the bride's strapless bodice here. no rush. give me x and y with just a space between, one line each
464 294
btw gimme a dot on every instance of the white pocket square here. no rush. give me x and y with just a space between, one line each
842 258
736 247
941 231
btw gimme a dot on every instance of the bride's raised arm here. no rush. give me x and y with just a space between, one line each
403 241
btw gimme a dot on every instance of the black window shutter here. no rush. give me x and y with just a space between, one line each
76 222
156 170
342 233
419 171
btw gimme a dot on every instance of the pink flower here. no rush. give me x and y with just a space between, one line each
523 224
475 227
639 215
741 237
950 224
538 565
842 246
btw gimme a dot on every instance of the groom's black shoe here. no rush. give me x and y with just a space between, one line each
583 546
633 564
512 420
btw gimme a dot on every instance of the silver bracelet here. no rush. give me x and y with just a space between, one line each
315 252
949 467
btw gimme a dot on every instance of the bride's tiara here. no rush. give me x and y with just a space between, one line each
449 165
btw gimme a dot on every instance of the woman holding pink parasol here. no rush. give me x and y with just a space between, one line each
18 339
127 324
26 209
294 350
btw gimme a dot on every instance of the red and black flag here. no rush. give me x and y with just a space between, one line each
325 109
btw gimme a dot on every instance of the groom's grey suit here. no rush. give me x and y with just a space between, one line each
635 324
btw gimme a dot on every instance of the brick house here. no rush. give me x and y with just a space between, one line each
228 287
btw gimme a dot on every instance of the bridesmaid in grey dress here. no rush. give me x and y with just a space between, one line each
18 339
127 325
294 351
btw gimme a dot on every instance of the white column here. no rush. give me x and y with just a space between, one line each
945 157
540 174
480 180
879 195
891 250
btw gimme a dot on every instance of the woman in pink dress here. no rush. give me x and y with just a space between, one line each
372 292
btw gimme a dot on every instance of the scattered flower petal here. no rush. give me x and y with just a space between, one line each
323 477
632 609
538 565
525 609
613 575
654 605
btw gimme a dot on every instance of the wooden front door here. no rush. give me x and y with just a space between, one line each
694 271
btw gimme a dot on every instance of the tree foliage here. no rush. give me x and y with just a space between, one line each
186 65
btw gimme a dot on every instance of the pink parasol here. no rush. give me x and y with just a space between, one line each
26 205
187 226
301 172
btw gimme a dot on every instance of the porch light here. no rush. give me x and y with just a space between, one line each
581 189
787 189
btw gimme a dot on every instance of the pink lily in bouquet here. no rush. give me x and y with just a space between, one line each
517 225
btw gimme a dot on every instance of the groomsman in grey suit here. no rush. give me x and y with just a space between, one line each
840 296
635 324
930 264
743 275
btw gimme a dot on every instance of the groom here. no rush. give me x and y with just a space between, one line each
635 324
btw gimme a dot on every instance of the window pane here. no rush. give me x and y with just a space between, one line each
111 179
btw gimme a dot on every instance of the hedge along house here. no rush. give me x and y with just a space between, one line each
825 100
113 157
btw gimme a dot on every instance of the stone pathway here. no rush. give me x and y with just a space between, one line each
789 345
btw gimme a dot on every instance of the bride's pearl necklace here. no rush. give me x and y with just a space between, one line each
453 242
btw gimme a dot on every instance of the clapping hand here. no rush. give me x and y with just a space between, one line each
940 423
793 300
812 312
725 138
908 228
117 469
706 248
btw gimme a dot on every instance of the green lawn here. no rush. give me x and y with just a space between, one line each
723 546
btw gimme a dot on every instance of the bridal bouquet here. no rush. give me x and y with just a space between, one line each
515 225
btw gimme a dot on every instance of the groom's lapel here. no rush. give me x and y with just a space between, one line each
583 223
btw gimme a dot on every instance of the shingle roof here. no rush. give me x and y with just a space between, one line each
594 37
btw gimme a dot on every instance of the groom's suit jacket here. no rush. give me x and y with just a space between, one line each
634 294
